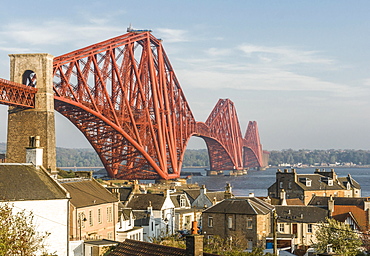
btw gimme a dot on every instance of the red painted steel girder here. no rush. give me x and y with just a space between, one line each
226 148
14 94
252 147
124 97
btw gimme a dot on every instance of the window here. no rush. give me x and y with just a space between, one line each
210 221
187 220
182 202
230 222
90 218
281 184
99 215
109 214
290 185
281 227
110 235
309 228
308 183
249 223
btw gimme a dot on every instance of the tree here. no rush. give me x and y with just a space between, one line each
18 235
339 236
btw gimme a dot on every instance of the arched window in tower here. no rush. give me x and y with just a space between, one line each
29 78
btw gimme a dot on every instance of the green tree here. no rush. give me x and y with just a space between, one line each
18 235
339 236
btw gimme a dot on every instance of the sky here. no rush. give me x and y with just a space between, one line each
301 69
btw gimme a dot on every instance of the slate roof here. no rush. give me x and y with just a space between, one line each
25 182
323 201
138 248
87 193
194 193
124 192
175 198
349 179
141 218
126 213
141 201
250 206
317 183
296 213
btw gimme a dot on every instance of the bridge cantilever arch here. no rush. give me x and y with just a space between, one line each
123 95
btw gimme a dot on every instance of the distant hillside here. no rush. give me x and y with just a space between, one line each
79 157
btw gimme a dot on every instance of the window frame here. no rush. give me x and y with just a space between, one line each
249 223
210 221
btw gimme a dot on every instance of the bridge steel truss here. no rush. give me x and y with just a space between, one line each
123 95
18 95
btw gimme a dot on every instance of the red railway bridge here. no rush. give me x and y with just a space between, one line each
123 95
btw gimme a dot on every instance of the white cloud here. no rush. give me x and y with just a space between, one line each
262 80
283 55
172 35
56 33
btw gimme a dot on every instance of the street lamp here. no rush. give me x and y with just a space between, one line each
168 221
81 218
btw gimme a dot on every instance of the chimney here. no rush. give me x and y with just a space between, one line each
283 197
331 206
194 242
116 193
34 152
228 194
203 190
366 204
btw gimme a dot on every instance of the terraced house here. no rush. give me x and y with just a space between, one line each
248 219
306 186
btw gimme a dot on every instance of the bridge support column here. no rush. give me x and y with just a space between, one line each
40 121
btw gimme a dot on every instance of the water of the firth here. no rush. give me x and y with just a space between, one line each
257 182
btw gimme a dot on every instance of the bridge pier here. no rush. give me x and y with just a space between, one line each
33 70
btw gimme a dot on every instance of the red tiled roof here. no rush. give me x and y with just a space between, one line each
139 248
341 212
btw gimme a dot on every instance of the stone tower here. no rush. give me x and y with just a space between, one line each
33 70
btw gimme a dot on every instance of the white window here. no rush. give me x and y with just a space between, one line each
99 215
109 214
91 218
309 228
308 183
249 223
210 221
281 227
230 222
182 202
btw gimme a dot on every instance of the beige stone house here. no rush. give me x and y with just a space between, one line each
306 186
93 211
296 226
248 219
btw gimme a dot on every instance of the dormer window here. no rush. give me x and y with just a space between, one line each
306 181
182 202
330 182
